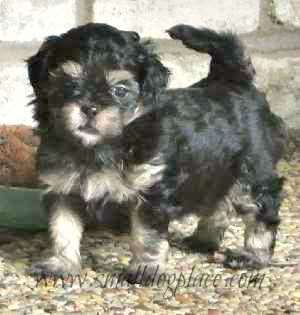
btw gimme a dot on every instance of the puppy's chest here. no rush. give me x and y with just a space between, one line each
107 184
116 184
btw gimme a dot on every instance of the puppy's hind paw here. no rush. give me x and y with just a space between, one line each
54 267
241 259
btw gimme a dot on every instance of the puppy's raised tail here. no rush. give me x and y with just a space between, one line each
228 58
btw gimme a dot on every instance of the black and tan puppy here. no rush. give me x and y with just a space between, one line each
116 142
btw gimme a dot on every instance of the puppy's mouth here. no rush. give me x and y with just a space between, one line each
103 126
89 129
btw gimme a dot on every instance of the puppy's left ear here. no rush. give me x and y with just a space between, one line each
155 77
38 64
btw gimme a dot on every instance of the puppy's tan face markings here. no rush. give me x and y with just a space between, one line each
109 122
73 117
93 122
72 68
115 76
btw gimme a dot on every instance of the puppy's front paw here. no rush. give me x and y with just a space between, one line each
242 259
55 267
145 274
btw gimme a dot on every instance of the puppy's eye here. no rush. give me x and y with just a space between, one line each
119 91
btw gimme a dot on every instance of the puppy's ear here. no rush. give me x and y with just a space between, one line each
155 78
38 64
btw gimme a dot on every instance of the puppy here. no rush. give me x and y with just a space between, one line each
116 142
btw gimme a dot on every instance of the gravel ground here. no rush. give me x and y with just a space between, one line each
192 284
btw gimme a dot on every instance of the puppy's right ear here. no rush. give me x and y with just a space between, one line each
38 64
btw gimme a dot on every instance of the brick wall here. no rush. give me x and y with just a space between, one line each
270 29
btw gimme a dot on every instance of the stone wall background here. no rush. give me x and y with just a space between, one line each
270 29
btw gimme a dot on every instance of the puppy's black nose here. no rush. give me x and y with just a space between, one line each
90 111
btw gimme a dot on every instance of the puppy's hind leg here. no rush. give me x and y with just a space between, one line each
210 231
259 212
66 229
149 245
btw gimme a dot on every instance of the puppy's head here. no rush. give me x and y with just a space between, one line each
93 81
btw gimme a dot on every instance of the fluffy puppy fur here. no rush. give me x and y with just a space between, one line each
115 142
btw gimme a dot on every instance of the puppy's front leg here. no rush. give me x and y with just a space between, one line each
66 229
149 245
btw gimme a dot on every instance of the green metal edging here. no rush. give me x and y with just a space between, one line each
21 209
